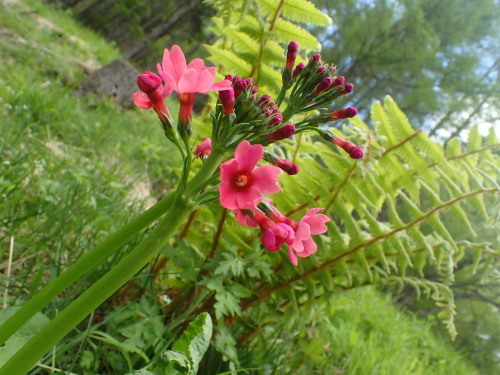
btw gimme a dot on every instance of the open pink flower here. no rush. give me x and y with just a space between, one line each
243 184
188 79
153 94
204 149
303 245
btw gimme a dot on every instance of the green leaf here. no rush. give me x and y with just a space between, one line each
192 345
287 31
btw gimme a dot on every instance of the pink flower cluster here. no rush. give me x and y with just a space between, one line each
241 190
185 79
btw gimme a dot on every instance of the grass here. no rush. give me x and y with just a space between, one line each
68 163
361 332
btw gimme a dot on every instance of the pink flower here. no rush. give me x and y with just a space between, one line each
276 235
273 234
153 94
245 218
188 79
311 224
243 184
204 149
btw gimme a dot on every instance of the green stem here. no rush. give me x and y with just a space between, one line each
87 262
46 338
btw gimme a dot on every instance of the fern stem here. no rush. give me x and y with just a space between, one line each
266 291
474 152
392 148
342 184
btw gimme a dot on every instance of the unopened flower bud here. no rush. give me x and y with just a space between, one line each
239 86
343 113
249 81
321 70
285 165
354 151
264 100
148 82
316 57
347 89
286 131
229 77
291 55
332 69
299 68
323 85
255 90
339 81
276 119
267 112
227 100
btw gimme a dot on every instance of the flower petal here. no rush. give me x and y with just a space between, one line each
167 90
227 196
197 64
188 83
244 219
221 85
228 170
248 199
205 82
264 179
292 256
310 247
169 81
248 155
317 223
178 62
142 100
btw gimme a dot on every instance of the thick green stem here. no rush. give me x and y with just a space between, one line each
87 262
46 338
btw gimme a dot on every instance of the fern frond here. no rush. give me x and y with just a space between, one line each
232 63
287 31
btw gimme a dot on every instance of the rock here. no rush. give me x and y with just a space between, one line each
116 80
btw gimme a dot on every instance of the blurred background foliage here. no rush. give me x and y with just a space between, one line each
415 232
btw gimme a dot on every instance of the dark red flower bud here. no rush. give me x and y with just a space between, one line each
343 113
255 90
355 152
323 85
291 55
264 100
316 57
227 100
276 119
267 112
339 81
249 81
347 89
239 86
286 131
332 69
148 82
229 77
321 70
299 68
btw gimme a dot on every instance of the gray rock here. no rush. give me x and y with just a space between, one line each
117 80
